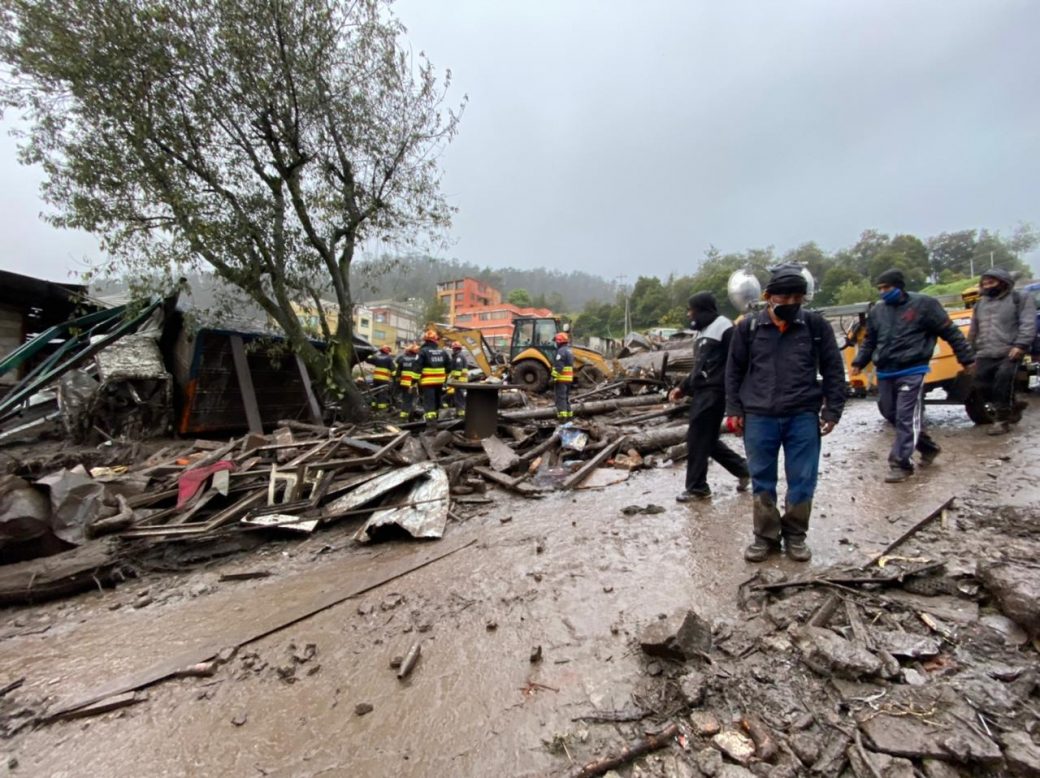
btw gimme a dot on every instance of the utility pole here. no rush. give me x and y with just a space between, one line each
621 279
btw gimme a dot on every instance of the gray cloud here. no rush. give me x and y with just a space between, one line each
618 137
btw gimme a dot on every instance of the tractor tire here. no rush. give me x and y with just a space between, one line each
530 375
977 410
589 376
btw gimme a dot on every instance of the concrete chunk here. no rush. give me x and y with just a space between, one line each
682 636
826 653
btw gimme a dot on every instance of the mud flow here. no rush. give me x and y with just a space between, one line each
553 632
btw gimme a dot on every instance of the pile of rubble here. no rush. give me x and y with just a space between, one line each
83 516
915 664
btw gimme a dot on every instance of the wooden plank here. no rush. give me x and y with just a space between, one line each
512 484
312 401
583 472
262 625
501 456
245 384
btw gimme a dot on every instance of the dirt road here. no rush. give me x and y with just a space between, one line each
569 573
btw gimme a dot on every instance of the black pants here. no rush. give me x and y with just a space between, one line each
431 401
702 441
995 380
562 395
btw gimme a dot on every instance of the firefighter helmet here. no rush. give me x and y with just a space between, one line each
431 336
561 337
455 345
413 348
385 349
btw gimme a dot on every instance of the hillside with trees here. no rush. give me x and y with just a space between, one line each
842 277
400 278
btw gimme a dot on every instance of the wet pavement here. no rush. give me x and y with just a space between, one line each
569 573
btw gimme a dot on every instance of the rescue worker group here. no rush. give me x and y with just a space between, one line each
437 371
776 378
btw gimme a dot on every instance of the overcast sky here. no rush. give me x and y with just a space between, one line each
625 138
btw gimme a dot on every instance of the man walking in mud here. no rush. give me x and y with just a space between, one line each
1003 325
900 340
706 385
773 399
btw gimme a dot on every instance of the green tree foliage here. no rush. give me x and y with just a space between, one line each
436 310
262 139
855 291
520 297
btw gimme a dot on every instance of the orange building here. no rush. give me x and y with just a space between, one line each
495 322
466 293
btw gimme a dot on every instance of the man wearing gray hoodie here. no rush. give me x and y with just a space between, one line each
1003 326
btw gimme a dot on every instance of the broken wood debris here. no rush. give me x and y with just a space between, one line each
303 476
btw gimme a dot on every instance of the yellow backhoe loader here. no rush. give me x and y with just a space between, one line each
529 362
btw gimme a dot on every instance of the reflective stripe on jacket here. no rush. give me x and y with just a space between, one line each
563 365
406 372
433 365
384 365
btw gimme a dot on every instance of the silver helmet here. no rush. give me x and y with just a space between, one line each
743 289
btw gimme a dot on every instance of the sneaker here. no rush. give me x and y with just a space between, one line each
928 456
691 496
897 474
797 550
743 483
1000 428
759 550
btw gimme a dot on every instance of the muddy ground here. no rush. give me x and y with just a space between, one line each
569 573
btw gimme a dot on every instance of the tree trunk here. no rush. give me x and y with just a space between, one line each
586 409
655 440
352 403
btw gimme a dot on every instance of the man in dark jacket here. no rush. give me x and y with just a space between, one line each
901 335
706 384
1003 326
774 399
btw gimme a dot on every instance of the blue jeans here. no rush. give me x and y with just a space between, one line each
799 435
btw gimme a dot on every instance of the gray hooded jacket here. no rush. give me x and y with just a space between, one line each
999 323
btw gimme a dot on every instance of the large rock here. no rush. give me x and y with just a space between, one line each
1016 588
1021 753
682 635
829 654
941 735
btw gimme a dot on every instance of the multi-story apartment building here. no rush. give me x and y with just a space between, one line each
466 293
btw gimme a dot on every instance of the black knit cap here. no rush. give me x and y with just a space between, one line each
892 277
787 279
703 302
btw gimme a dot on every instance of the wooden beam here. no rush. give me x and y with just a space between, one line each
583 472
245 384
312 401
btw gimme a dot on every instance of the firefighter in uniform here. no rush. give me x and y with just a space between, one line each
433 372
407 376
563 375
459 374
382 377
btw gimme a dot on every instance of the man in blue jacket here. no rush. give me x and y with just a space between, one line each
900 340
774 399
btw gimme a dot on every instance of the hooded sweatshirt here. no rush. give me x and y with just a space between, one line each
1002 322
